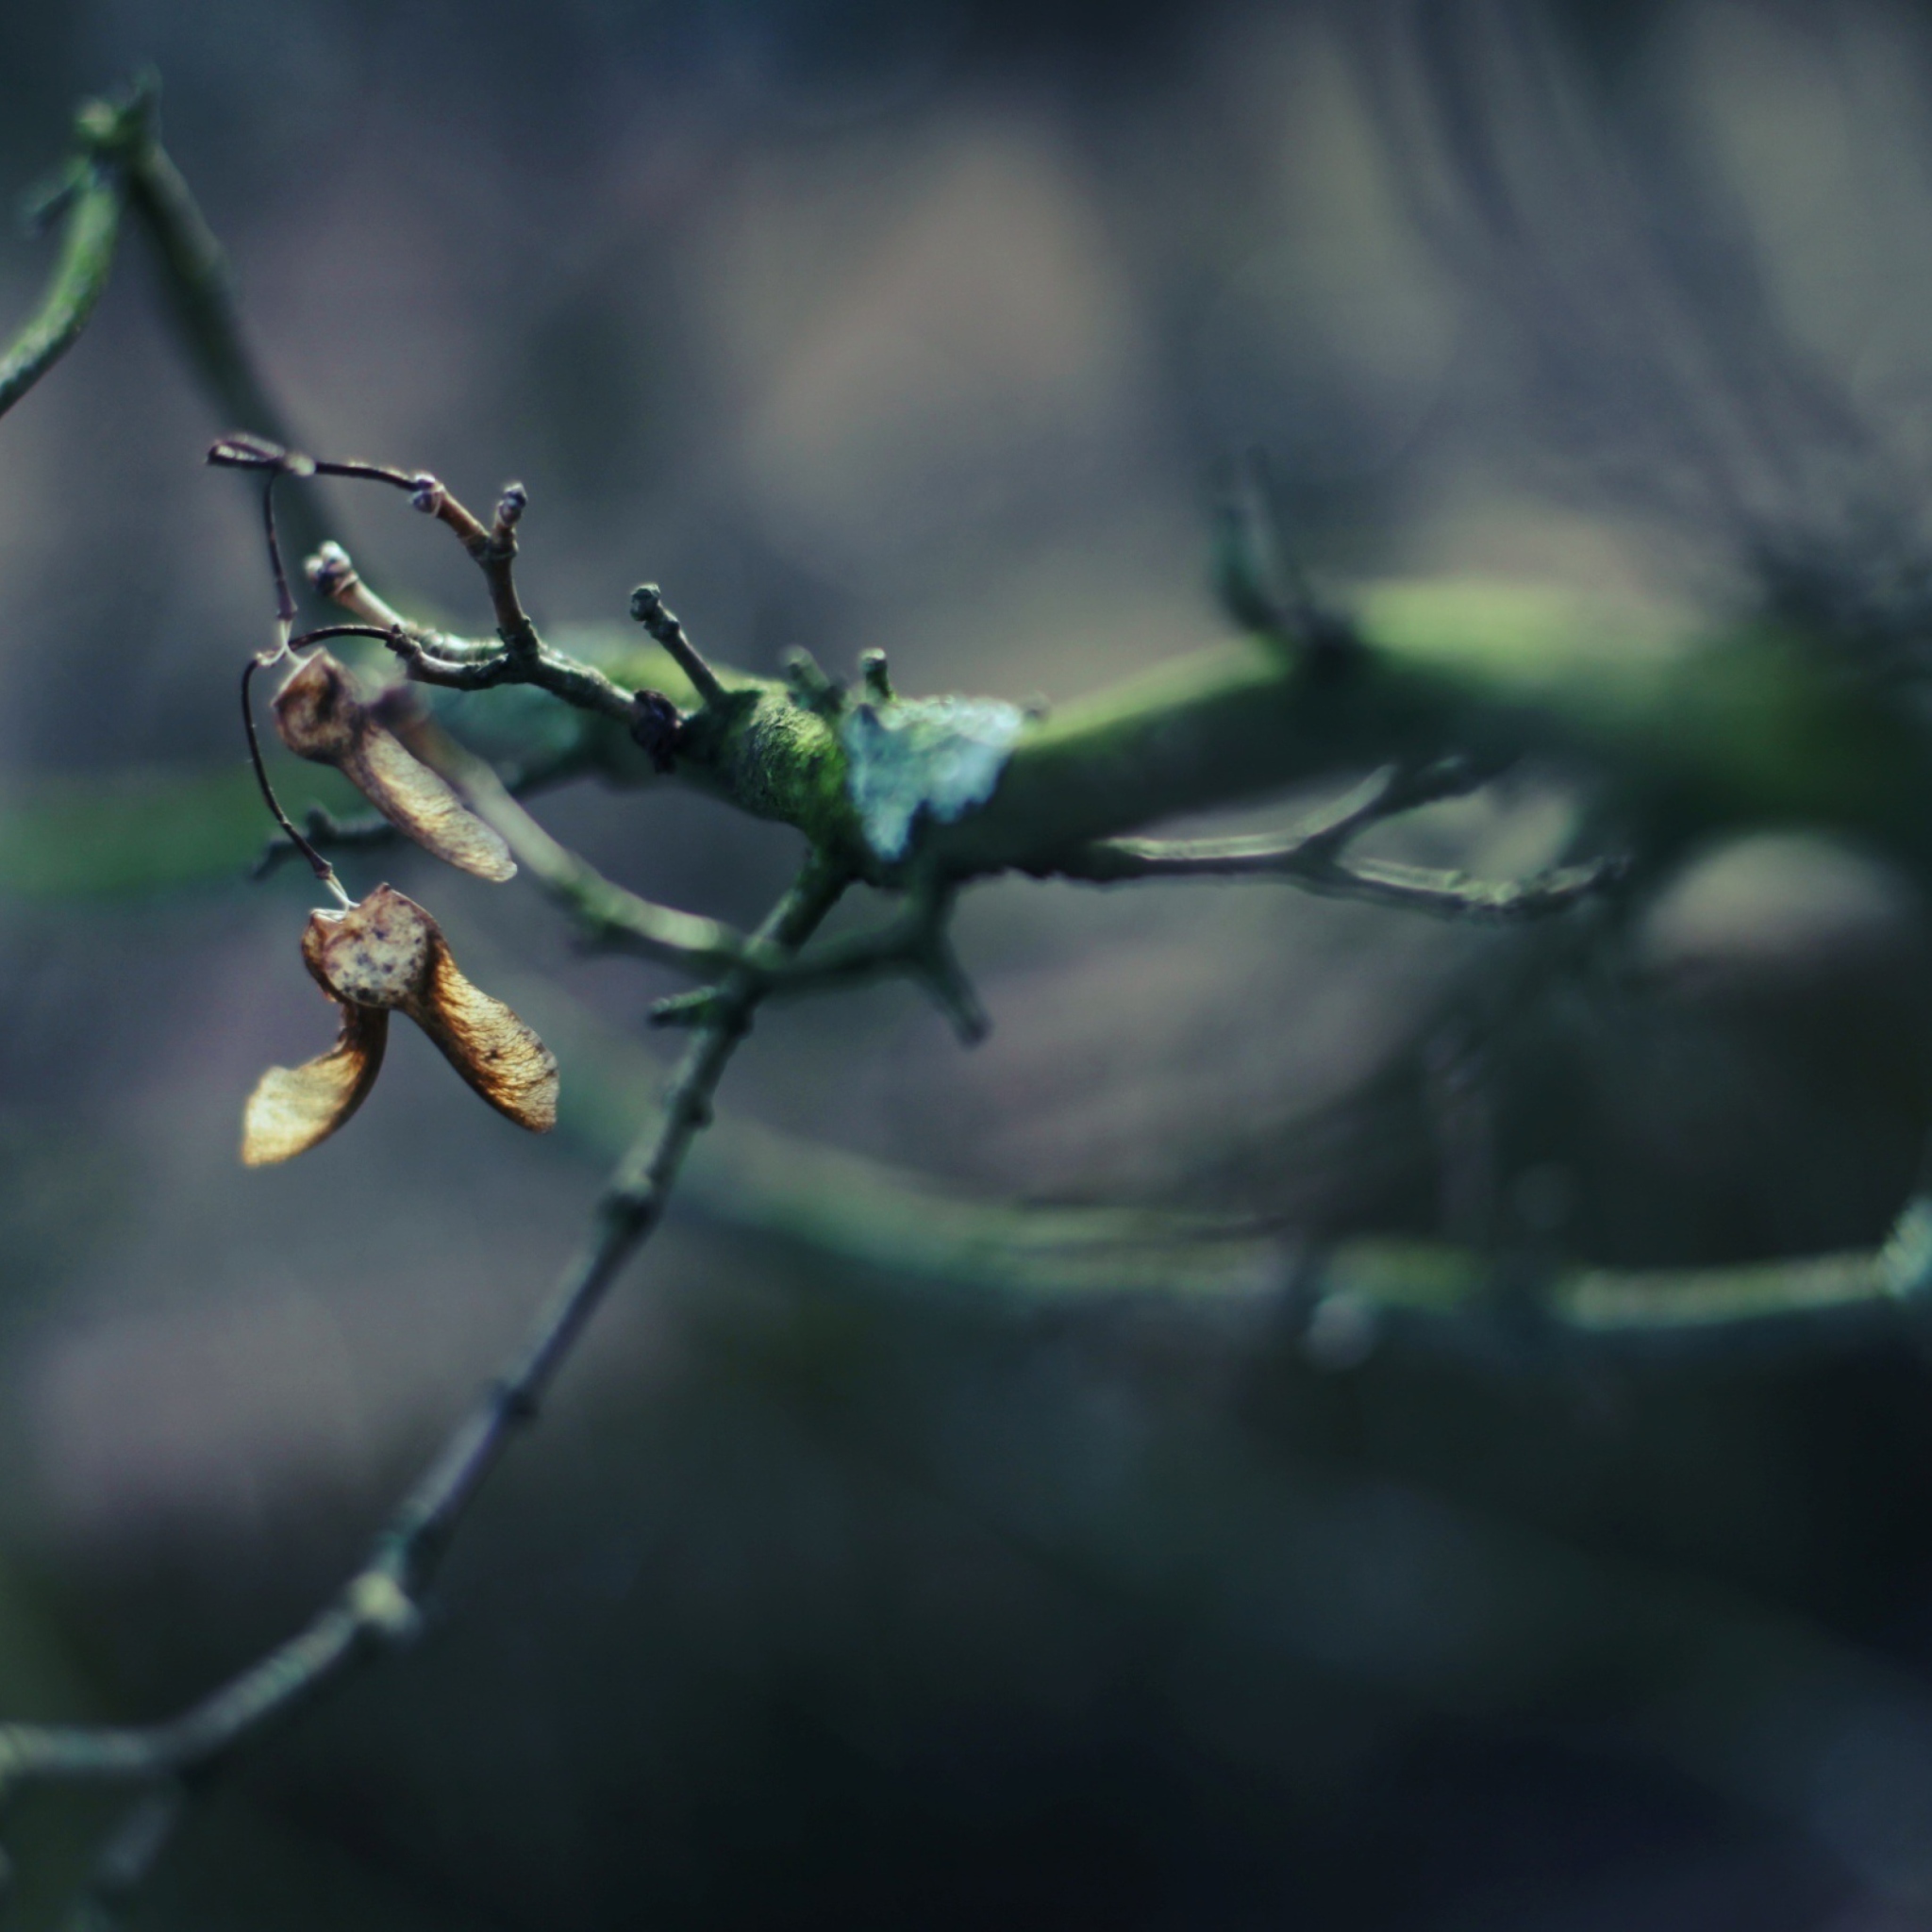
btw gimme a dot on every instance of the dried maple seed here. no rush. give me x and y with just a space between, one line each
387 954
319 717
293 1107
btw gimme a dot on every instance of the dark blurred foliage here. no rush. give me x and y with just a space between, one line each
824 1597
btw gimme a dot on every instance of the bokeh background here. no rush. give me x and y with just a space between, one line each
836 1591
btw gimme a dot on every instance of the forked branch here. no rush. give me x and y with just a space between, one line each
1312 859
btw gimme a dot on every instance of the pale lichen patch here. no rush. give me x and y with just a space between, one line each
936 758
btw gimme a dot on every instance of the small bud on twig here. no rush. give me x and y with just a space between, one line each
647 606
329 570
426 494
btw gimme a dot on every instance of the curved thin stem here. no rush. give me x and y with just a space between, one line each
317 863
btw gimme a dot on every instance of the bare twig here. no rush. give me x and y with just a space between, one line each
199 287
335 576
130 1851
1311 858
324 832
1258 576
493 549
430 657
917 944
648 607
377 1608
929 1234
606 912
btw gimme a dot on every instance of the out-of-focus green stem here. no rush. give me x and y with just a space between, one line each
121 166
1687 734
93 224
200 290
1729 730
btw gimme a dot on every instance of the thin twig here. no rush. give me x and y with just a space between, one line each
1536 1312
918 944
335 576
200 288
1311 858
377 1608
606 912
130 1851
323 869
428 657
324 832
648 607
1411 887
494 549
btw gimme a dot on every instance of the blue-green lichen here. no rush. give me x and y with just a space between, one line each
935 758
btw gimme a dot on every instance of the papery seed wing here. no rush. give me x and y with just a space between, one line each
419 803
317 711
488 1044
319 716
294 1107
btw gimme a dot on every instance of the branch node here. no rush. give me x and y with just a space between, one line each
383 1609
655 725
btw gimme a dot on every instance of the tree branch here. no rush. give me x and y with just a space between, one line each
432 658
897 1224
376 1609
606 912
1311 858
918 944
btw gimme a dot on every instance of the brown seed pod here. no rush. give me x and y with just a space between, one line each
319 716
383 956
293 1107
